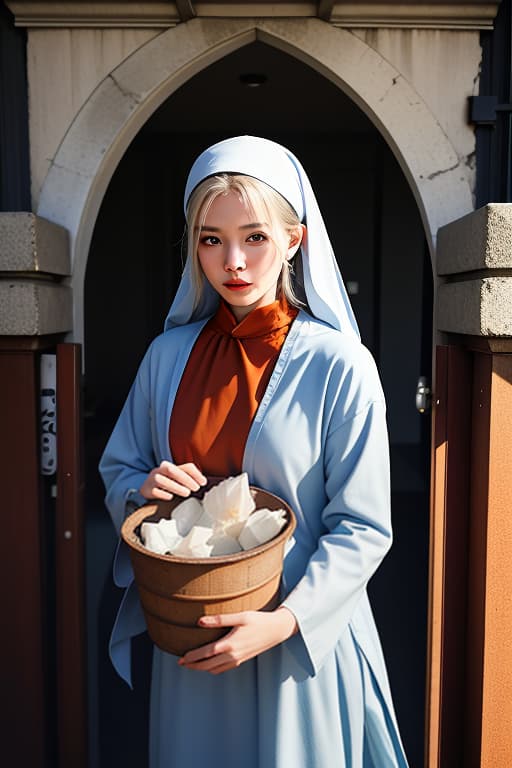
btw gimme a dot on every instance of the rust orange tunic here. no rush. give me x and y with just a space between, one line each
224 381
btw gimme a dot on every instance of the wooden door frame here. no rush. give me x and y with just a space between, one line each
43 645
71 671
449 496
27 721
469 672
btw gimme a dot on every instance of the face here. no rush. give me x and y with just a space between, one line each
238 255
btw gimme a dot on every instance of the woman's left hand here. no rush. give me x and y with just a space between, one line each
253 632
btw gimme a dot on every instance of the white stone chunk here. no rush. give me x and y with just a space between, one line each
152 538
223 524
231 529
187 515
205 521
224 545
160 537
169 532
229 503
262 526
195 543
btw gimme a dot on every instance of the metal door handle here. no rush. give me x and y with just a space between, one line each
423 395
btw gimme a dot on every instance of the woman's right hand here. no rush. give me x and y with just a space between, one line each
170 480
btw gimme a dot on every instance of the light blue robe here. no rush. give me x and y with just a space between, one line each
318 440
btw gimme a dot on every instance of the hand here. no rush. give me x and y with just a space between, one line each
169 479
253 632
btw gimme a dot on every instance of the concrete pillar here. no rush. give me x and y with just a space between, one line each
470 655
34 259
475 259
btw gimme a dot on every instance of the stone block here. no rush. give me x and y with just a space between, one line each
29 243
34 308
480 307
480 240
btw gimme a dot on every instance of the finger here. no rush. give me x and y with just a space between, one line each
224 620
213 665
161 495
177 476
194 472
170 486
200 654
224 668
208 651
173 486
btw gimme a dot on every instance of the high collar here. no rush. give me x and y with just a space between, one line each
260 322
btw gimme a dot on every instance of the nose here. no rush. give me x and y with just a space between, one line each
234 260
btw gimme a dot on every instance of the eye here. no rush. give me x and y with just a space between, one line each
210 240
257 237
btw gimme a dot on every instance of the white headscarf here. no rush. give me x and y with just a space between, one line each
275 165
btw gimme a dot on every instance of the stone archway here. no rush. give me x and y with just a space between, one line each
125 99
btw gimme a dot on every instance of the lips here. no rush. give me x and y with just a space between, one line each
236 285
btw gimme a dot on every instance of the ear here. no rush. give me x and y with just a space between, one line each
296 237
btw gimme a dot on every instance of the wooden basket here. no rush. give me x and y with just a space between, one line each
176 591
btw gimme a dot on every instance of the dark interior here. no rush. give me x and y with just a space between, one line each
133 270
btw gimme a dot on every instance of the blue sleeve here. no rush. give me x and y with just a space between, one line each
357 519
129 454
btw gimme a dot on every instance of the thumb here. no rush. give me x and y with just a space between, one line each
222 620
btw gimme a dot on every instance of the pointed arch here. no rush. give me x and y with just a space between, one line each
114 113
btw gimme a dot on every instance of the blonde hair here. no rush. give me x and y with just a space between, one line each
261 201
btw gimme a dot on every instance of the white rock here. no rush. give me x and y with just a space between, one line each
248 540
224 545
231 529
187 514
194 544
160 537
262 526
152 538
205 521
229 503
223 524
169 532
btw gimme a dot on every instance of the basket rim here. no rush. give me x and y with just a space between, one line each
137 517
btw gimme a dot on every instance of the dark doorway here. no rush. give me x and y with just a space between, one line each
133 271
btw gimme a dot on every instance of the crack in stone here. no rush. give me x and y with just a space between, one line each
393 82
443 170
470 160
129 94
73 171
477 77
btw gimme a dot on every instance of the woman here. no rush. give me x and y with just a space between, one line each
261 369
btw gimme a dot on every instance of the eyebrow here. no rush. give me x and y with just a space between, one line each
251 225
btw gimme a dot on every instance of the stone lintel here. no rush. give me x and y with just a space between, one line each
476 14
480 240
480 307
29 243
34 308
418 15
